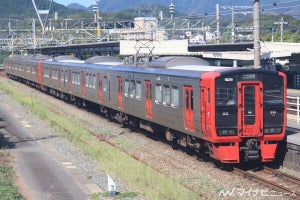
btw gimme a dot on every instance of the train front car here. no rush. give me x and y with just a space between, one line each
243 114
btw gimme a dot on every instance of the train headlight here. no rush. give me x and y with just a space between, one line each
226 132
273 130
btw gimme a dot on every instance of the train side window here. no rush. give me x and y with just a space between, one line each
33 70
132 89
90 81
78 78
126 88
66 76
105 84
54 74
166 95
94 81
158 91
62 76
73 77
175 97
138 90
87 80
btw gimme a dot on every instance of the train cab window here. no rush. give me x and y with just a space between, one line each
132 89
174 97
105 84
126 88
225 96
138 90
166 95
226 92
273 90
158 93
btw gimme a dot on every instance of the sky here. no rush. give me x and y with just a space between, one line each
85 3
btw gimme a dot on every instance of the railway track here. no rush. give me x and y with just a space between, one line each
277 184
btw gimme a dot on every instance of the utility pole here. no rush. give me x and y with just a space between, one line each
232 8
281 23
33 35
218 22
232 26
97 20
256 34
38 14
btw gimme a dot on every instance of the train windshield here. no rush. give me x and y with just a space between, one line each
225 93
273 90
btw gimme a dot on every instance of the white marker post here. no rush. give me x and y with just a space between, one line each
111 186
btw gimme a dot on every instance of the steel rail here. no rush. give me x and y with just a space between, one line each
280 188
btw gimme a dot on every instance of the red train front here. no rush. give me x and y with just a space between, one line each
243 114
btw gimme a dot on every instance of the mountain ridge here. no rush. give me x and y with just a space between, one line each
191 7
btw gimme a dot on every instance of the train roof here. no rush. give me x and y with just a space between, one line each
67 58
30 57
104 60
173 62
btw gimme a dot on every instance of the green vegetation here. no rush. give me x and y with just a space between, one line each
100 196
3 54
150 183
8 191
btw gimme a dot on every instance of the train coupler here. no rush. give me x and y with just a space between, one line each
250 150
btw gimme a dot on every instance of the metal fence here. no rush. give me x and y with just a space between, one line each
293 107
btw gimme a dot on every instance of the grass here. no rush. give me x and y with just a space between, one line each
8 191
104 195
150 183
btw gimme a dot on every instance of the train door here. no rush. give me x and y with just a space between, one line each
148 102
40 73
100 88
83 92
250 100
189 108
203 110
120 93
